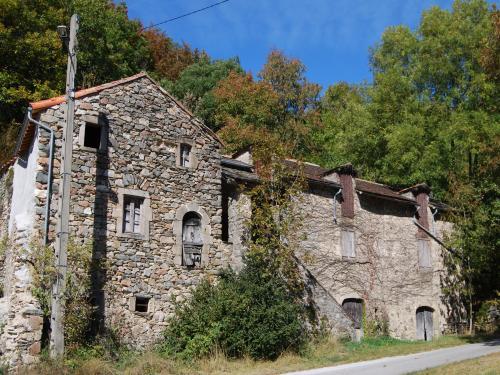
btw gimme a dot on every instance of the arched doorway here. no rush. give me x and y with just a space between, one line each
425 324
192 242
353 307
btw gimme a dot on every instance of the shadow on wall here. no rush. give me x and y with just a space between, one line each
103 194
385 207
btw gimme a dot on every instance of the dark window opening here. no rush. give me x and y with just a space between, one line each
132 214
353 308
185 155
141 304
92 136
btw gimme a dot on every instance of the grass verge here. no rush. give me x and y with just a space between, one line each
487 365
324 353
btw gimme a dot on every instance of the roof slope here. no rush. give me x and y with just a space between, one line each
47 103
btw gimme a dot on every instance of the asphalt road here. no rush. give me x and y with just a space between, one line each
409 363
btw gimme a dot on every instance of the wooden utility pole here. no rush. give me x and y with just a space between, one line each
61 246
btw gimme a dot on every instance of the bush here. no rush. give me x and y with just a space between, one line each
488 316
244 314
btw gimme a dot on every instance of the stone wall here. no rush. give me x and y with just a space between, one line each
384 272
20 317
142 130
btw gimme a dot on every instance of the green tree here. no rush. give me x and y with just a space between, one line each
298 100
33 61
196 82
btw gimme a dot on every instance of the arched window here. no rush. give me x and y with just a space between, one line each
425 324
191 239
353 307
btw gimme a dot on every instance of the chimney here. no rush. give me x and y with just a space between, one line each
421 193
346 175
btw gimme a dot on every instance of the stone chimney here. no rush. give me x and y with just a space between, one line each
346 176
421 193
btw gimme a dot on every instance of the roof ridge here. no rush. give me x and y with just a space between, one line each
47 103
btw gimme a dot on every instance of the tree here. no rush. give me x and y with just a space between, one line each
246 111
196 82
169 58
33 62
298 100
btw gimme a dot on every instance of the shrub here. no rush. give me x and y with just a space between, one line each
244 314
488 316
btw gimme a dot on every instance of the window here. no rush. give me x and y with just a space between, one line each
132 208
92 136
424 254
347 244
141 304
191 240
185 155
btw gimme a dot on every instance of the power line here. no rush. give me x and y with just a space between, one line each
187 14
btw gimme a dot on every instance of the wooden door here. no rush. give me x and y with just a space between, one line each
354 309
425 324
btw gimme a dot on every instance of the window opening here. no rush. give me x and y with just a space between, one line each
132 214
92 136
185 155
141 304
191 239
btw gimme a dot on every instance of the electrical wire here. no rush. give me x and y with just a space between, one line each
186 14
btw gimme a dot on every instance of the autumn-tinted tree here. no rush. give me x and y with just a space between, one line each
169 57
246 111
298 99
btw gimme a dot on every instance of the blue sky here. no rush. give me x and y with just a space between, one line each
331 37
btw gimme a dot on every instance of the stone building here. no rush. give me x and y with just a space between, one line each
158 201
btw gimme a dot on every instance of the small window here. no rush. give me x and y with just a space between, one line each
347 244
132 212
92 136
141 304
185 155
424 253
